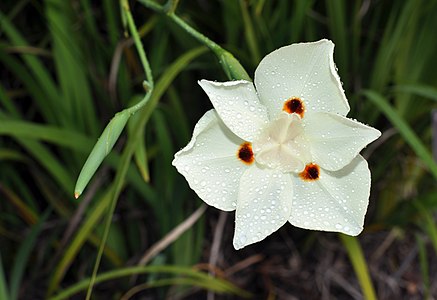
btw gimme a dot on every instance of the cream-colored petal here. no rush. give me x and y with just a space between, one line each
335 140
238 106
337 201
263 205
209 162
306 71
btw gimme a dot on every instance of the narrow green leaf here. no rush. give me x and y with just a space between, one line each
425 91
78 240
428 223
22 209
7 102
3 285
141 160
404 129
22 256
41 74
70 67
34 88
358 260
6 154
49 161
337 25
47 133
111 21
214 284
424 269
249 34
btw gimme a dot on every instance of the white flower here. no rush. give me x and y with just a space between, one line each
284 151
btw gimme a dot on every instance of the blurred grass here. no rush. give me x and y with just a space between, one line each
67 68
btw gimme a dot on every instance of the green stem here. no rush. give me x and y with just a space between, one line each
130 148
118 184
230 64
171 6
134 32
193 32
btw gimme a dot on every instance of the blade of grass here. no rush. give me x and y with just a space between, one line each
424 269
300 10
49 162
69 63
175 113
41 75
428 223
33 88
356 256
7 102
47 133
141 160
425 91
23 254
404 129
249 33
76 244
10 155
393 35
3 285
111 21
213 283
49 190
192 282
17 9
337 25
27 214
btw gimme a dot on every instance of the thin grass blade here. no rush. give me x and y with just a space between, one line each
23 254
404 129
359 264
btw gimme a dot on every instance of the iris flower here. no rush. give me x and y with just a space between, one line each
281 149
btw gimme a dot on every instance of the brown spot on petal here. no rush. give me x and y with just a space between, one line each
245 153
311 172
294 105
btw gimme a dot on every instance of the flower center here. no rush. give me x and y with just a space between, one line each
282 145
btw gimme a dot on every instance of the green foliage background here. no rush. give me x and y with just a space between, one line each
67 67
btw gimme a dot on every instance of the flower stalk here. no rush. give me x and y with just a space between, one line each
231 66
